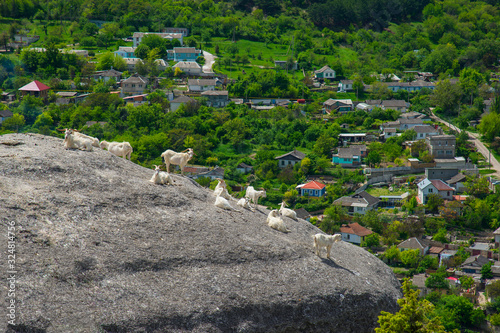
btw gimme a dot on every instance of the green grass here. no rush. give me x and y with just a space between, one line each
378 191
486 171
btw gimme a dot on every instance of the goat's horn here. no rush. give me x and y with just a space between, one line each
61 130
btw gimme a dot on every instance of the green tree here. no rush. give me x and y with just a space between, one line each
466 282
372 240
392 253
414 315
486 272
142 51
441 236
324 145
490 126
14 123
447 96
373 158
470 80
410 258
458 312
434 201
437 281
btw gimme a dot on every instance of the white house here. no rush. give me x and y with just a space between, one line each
435 186
325 73
188 67
415 243
424 131
199 85
354 233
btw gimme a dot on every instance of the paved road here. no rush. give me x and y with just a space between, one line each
209 62
481 148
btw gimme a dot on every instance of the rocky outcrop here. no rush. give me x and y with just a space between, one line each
101 249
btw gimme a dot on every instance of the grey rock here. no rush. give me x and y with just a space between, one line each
101 249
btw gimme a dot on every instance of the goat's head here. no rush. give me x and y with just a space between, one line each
67 133
157 168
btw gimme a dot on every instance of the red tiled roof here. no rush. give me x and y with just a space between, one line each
356 229
460 197
441 186
436 250
35 86
314 185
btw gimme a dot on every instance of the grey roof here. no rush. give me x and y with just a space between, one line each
475 261
215 93
136 78
294 153
182 99
394 103
480 246
414 243
187 64
362 199
130 49
390 130
424 129
201 82
412 114
442 137
373 101
302 213
410 121
66 93
323 69
244 165
186 50
457 179
418 83
6 113
109 72
217 171
351 151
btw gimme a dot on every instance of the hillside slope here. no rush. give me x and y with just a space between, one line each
101 249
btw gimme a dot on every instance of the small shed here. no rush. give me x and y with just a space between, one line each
35 88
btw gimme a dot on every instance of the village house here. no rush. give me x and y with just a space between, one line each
423 131
216 98
414 243
345 85
389 132
395 104
4 115
138 36
215 173
435 186
177 102
244 168
352 137
199 85
183 54
66 97
410 86
473 264
458 182
402 124
131 62
312 189
358 203
441 146
290 158
126 52
36 89
173 30
134 85
107 75
188 67
340 105
350 157
324 73
354 233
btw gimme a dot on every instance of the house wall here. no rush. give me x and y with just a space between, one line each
283 163
201 88
351 238
313 193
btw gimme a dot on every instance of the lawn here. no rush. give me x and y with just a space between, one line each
378 191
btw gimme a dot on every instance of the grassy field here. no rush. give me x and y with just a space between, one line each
378 191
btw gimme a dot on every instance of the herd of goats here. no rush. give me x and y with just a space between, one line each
73 139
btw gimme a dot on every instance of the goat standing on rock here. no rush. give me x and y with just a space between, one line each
322 240
254 195
180 159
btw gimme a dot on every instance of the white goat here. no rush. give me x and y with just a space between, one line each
244 203
275 221
180 159
287 212
322 240
223 203
72 141
161 177
254 195
123 149
221 189
95 141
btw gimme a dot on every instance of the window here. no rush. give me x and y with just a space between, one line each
133 85
448 193
430 190
347 236
282 162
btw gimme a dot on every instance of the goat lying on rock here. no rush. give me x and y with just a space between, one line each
287 212
275 221
322 240
221 190
244 202
161 177
223 203
180 159
123 149
73 141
